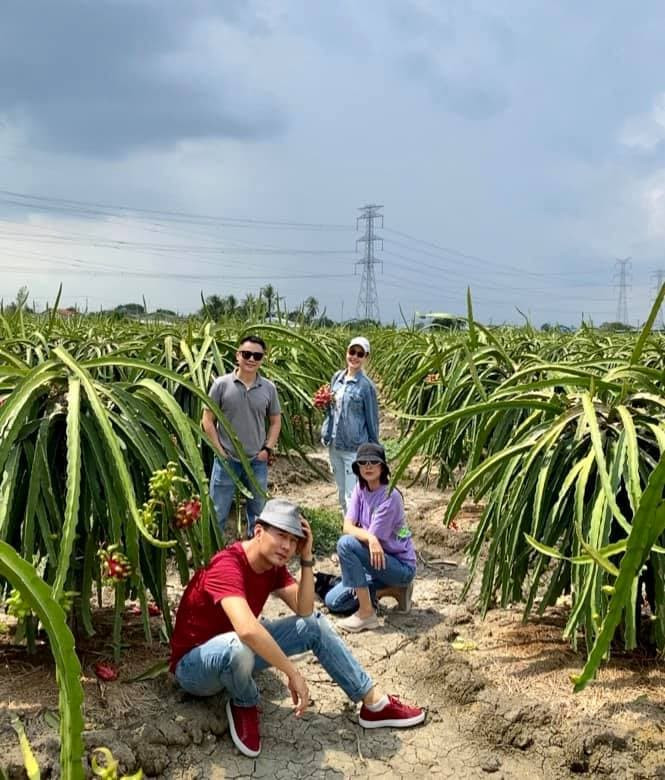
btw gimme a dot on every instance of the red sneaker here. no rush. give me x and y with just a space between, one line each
395 714
244 728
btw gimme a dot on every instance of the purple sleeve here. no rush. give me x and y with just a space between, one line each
353 509
387 518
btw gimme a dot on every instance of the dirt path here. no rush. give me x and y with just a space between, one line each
499 701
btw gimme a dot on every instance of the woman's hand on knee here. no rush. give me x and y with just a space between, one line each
376 555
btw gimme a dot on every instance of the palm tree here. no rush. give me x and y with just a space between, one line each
269 293
311 308
214 307
230 304
248 306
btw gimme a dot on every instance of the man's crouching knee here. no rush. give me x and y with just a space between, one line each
242 658
315 628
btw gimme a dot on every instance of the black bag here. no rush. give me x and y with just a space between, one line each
324 583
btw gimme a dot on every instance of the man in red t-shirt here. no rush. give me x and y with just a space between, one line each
219 642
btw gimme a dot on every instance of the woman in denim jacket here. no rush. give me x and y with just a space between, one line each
352 419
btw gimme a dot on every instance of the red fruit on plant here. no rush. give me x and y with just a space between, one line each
115 565
106 671
187 513
117 570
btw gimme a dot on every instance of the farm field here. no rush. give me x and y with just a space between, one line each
531 465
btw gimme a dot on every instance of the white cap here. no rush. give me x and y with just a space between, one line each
360 341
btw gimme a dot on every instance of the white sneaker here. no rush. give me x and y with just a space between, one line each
354 623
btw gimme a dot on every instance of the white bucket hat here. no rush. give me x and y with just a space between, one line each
282 514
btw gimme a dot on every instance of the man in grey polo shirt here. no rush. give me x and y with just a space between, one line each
247 399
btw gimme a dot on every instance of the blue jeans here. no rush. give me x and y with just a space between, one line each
358 572
223 489
225 663
341 461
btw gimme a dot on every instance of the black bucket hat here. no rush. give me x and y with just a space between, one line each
372 453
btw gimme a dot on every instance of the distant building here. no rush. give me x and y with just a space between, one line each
440 321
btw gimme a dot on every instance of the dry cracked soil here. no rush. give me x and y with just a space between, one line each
497 689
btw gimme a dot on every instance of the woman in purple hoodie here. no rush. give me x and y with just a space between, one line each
376 552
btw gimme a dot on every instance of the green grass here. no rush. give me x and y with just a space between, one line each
392 447
326 525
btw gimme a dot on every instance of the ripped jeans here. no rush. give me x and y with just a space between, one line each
225 663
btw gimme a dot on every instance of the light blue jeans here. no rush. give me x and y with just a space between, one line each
341 461
358 572
223 490
225 663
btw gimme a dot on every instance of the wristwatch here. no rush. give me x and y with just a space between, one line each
306 564
267 449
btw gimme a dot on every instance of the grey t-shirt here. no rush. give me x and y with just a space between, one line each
246 410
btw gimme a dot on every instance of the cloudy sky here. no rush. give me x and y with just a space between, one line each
163 148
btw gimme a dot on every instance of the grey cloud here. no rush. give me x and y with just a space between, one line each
473 102
98 78
471 97
409 19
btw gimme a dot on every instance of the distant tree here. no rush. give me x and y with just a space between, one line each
361 324
252 307
230 304
130 309
20 303
296 315
217 307
214 307
269 293
615 326
311 308
558 328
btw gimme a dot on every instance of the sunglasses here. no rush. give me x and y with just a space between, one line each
356 352
247 354
363 463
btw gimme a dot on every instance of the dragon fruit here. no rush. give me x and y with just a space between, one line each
187 513
323 397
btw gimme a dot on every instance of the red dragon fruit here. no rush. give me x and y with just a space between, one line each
323 397
115 565
187 513
106 671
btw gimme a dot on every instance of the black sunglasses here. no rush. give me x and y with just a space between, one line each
368 462
357 353
247 354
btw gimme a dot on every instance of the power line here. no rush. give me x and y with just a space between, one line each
474 258
124 244
368 298
471 281
98 271
95 209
